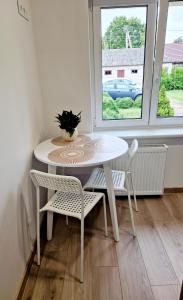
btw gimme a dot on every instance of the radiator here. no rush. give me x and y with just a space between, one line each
148 169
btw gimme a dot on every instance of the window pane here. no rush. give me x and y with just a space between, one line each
170 101
123 46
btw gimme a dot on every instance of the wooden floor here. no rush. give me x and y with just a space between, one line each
146 268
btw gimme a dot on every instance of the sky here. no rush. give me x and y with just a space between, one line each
174 24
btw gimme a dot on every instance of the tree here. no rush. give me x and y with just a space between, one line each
115 36
164 107
179 40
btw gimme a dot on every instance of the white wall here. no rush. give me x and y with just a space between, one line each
61 33
21 126
174 167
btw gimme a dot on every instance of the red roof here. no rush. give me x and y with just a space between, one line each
173 52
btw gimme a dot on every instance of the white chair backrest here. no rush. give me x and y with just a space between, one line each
131 153
68 184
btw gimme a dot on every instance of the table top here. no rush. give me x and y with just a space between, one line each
87 150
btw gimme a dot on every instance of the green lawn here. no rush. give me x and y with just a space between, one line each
176 95
131 113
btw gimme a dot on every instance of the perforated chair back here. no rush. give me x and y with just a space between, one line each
131 153
68 184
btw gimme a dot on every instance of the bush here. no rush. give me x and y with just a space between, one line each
164 107
177 78
106 96
172 81
109 104
110 111
124 103
166 80
138 102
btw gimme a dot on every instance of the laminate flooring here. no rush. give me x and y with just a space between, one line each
149 267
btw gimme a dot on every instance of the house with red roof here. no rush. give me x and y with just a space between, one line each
128 63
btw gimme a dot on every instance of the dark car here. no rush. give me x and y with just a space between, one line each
121 88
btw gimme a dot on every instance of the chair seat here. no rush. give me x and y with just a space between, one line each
97 180
70 203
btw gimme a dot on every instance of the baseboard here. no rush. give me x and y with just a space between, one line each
174 190
27 271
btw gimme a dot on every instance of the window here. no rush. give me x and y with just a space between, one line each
123 44
108 72
168 91
135 71
143 43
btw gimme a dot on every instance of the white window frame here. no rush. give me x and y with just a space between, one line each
160 44
154 52
148 60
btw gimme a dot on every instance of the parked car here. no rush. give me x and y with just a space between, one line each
121 88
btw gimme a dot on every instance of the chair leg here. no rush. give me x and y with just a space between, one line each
131 210
134 194
105 216
38 239
67 220
82 251
49 225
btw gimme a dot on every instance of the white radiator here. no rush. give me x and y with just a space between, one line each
148 169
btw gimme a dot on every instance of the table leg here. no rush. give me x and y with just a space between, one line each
51 170
112 201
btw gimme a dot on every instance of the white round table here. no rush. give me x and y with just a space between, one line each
87 150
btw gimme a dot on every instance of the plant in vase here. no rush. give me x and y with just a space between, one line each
68 123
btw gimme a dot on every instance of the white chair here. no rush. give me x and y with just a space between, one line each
122 180
69 200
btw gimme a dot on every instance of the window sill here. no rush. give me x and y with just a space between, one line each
169 132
